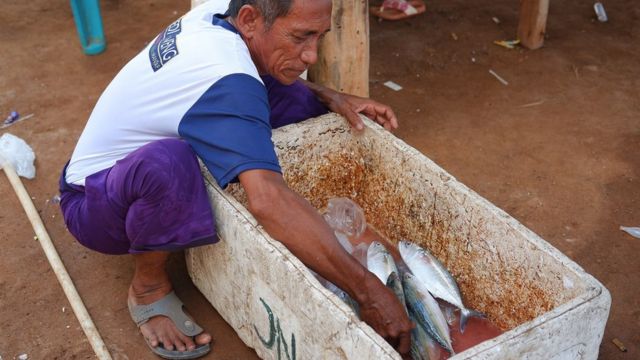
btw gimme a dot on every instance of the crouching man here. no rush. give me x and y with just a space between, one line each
212 85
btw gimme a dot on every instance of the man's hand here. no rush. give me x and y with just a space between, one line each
384 313
350 106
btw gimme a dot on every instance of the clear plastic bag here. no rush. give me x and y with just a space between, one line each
19 154
345 216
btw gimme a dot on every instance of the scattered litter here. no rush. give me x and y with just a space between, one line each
23 357
473 60
35 238
633 231
64 309
68 326
503 81
600 12
509 44
13 118
533 104
495 20
55 199
619 344
454 36
19 154
393 86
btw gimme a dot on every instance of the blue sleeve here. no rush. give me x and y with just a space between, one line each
228 127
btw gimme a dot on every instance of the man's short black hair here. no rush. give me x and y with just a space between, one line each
270 9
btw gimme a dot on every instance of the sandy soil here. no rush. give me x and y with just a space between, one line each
558 148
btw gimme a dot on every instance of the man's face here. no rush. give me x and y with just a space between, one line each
290 45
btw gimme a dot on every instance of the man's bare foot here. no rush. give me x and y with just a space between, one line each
151 283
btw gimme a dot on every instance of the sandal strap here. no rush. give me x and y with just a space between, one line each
169 306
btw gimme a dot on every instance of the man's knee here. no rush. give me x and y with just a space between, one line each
154 170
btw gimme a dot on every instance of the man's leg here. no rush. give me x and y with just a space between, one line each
149 203
151 283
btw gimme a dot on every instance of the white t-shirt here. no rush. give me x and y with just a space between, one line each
195 81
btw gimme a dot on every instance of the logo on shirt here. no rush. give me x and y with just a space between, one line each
164 48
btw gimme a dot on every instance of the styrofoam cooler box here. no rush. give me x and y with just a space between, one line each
548 306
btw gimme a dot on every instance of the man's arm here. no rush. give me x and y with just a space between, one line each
350 105
290 219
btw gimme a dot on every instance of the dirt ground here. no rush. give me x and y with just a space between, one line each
558 148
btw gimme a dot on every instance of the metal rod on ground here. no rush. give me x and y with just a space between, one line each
56 263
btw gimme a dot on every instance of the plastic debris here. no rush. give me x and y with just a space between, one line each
345 216
18 154
600 12
344 241
13 118
393 86
503 81
495 20
633 231
454 36
536 103
509 44
23 357
55 199
619 344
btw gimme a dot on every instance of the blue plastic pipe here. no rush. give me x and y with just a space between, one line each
86 14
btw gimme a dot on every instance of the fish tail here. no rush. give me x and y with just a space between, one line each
465 314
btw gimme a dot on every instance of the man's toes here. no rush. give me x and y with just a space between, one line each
167 343
152 340
203 338
182 342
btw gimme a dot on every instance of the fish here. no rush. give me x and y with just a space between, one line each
426 312
422 346
435 278
380 262
395 284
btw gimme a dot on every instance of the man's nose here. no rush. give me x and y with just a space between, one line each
310 54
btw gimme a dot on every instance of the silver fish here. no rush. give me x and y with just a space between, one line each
426 311
395 284
435 277
422 346
380 262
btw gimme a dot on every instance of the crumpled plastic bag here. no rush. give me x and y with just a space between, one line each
19 154
345 216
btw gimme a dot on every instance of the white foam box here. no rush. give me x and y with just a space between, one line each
548 306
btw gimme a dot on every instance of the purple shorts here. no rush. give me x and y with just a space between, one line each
155 199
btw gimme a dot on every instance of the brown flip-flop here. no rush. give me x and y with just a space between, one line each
398 9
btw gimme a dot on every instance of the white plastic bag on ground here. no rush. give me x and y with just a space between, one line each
18 153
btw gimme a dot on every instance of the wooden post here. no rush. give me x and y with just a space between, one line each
343 55
533 22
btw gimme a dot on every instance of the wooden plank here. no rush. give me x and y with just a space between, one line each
533 22
343 55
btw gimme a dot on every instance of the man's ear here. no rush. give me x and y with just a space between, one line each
249 21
